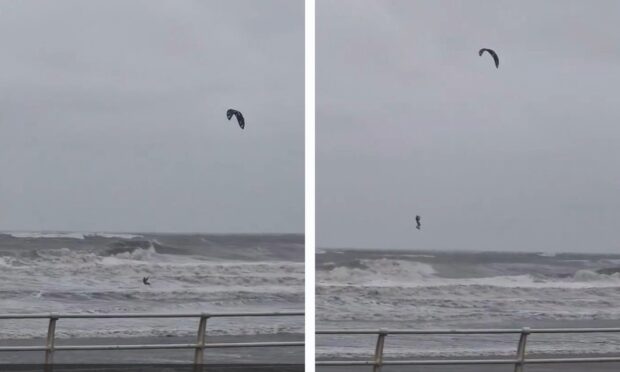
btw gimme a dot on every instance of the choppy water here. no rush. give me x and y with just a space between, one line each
381 289
102 273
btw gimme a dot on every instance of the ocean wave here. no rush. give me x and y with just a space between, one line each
406 273
88 273
69 235
466 290
140 260
211 295
103 272
437 348
47 235
380 272
382 290
547 254
114 235
75 276
161 328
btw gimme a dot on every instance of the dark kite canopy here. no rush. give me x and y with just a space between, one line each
238 115
492 53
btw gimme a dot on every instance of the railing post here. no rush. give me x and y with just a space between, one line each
521 350
200 342
379 351
49 344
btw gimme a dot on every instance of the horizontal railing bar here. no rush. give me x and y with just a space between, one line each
149 315
574 330
124 347
176 346
254 344
50 348
227 315
469 361
462 331
418 362
572 360
414 331
521 331
335 363
449 362
152 346
22 348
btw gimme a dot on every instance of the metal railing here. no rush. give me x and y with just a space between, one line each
50 348
519 361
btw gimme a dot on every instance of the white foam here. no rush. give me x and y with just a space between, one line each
46 235
381 272
547 254
393 293
115 235
70 235
404 273
470 348
65 280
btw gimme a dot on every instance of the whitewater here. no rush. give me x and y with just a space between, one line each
396 289
189 273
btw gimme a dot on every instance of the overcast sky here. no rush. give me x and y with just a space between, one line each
410 120
113 115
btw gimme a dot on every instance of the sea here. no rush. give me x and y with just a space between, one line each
101 273
373 289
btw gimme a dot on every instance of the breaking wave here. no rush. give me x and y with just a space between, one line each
69 235
405 273
42 274
365 290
